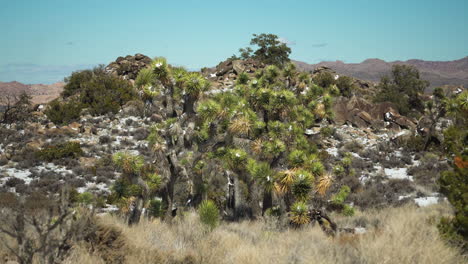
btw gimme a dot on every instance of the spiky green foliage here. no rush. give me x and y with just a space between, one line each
242 78
194 83
209 214
161 70
209 110
145 77
299 213
303 185
153 181
261 172
297 158
130 164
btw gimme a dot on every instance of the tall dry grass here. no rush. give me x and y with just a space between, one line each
394 235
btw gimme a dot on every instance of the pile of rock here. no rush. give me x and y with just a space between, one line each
128 67
360 113
229 69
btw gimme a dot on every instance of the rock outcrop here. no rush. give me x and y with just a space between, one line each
360 113
128 67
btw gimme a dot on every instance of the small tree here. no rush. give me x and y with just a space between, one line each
270 50
16 108
403 88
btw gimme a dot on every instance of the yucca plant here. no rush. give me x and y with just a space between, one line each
236 158
194 83
242 78
324 183
209 110
240 126
284 181
271 72
209 214
145 77
130 164
316 167
299 214
161 70
257 146
302 185
153 180
297 158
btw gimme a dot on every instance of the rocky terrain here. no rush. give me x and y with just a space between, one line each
141 139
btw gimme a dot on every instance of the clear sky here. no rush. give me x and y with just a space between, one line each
42 41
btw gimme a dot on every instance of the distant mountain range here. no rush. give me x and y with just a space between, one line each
438 73
41 93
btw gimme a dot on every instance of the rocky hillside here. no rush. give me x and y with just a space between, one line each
438 73
143 139
40 93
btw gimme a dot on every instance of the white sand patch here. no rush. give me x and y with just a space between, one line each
426 201
398 173
333 151
19 174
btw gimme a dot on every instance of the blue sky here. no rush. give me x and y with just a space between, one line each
43 41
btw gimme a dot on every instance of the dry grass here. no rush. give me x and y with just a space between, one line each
394 235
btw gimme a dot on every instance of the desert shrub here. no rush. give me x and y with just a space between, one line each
98 91
341 196
63 112
345 85
105 139
352 146
71 149
402 88
156 208
209 214
324 79
13 182
141 133
15 109
348 210
85 198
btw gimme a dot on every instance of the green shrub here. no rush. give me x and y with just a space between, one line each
61 113
341 196
85 198
98 91
156 208
71 149
324 79
348 210
345 85
209 214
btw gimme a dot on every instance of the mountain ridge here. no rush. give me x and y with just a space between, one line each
438 73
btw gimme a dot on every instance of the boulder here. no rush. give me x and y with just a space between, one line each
128 67
238 67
